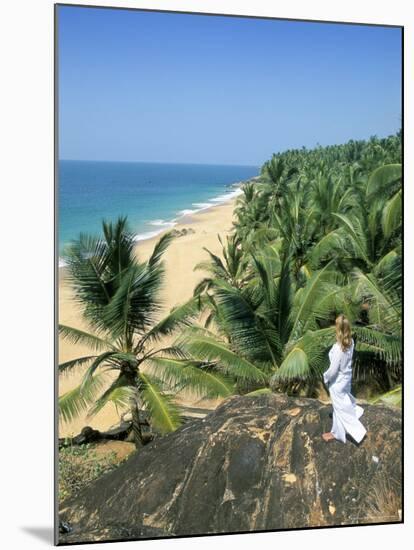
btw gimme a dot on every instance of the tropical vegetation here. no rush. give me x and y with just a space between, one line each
318 233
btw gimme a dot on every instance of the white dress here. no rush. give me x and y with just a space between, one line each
346 412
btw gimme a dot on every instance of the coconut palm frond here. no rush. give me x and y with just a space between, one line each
294 366
250 333
329 245
392 215
355 233
228 361
386 346
383 180
98 362
120 392
77 336
134 306
159 249
119 243
74 402
393 397
260 391
165 415
384 308
194 376
87 259
307 302
179 317
67 366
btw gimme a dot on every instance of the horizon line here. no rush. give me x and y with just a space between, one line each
162 162
308 147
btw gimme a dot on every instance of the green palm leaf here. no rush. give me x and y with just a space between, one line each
382 179
392 214
69 365
386 263
386 346
134 305
159 249
284 303
355 231
164 413
260 391
119 243
393 397
250 333
91 370
383 309
294 366
227 360
179 317
77 336
329 245
199 379
74 402
87 260
119 393
310 297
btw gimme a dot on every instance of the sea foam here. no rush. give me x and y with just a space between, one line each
162 223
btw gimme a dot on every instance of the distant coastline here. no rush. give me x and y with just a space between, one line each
188 213
160 225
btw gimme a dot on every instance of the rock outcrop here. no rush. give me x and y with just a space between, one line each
182 232
255 463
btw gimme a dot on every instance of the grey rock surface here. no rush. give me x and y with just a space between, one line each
255 463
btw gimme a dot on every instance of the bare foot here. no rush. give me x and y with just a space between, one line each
328 436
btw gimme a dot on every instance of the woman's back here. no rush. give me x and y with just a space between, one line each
341 359
345 365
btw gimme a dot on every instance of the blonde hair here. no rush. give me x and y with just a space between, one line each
343 332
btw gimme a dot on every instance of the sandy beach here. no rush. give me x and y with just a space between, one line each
181 257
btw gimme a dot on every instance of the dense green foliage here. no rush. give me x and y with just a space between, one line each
318 234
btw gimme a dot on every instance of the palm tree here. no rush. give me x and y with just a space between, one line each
250 211
233 268
120 300
296 224
277 177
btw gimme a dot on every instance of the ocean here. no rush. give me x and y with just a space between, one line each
152 195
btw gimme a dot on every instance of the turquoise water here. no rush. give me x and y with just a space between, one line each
152 195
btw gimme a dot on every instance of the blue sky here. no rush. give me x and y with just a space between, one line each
164 87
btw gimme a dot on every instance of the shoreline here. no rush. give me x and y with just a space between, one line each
185 216
181 223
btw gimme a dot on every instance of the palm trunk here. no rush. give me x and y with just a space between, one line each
136 421
141 427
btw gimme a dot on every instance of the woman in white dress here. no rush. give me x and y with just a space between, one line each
338 377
